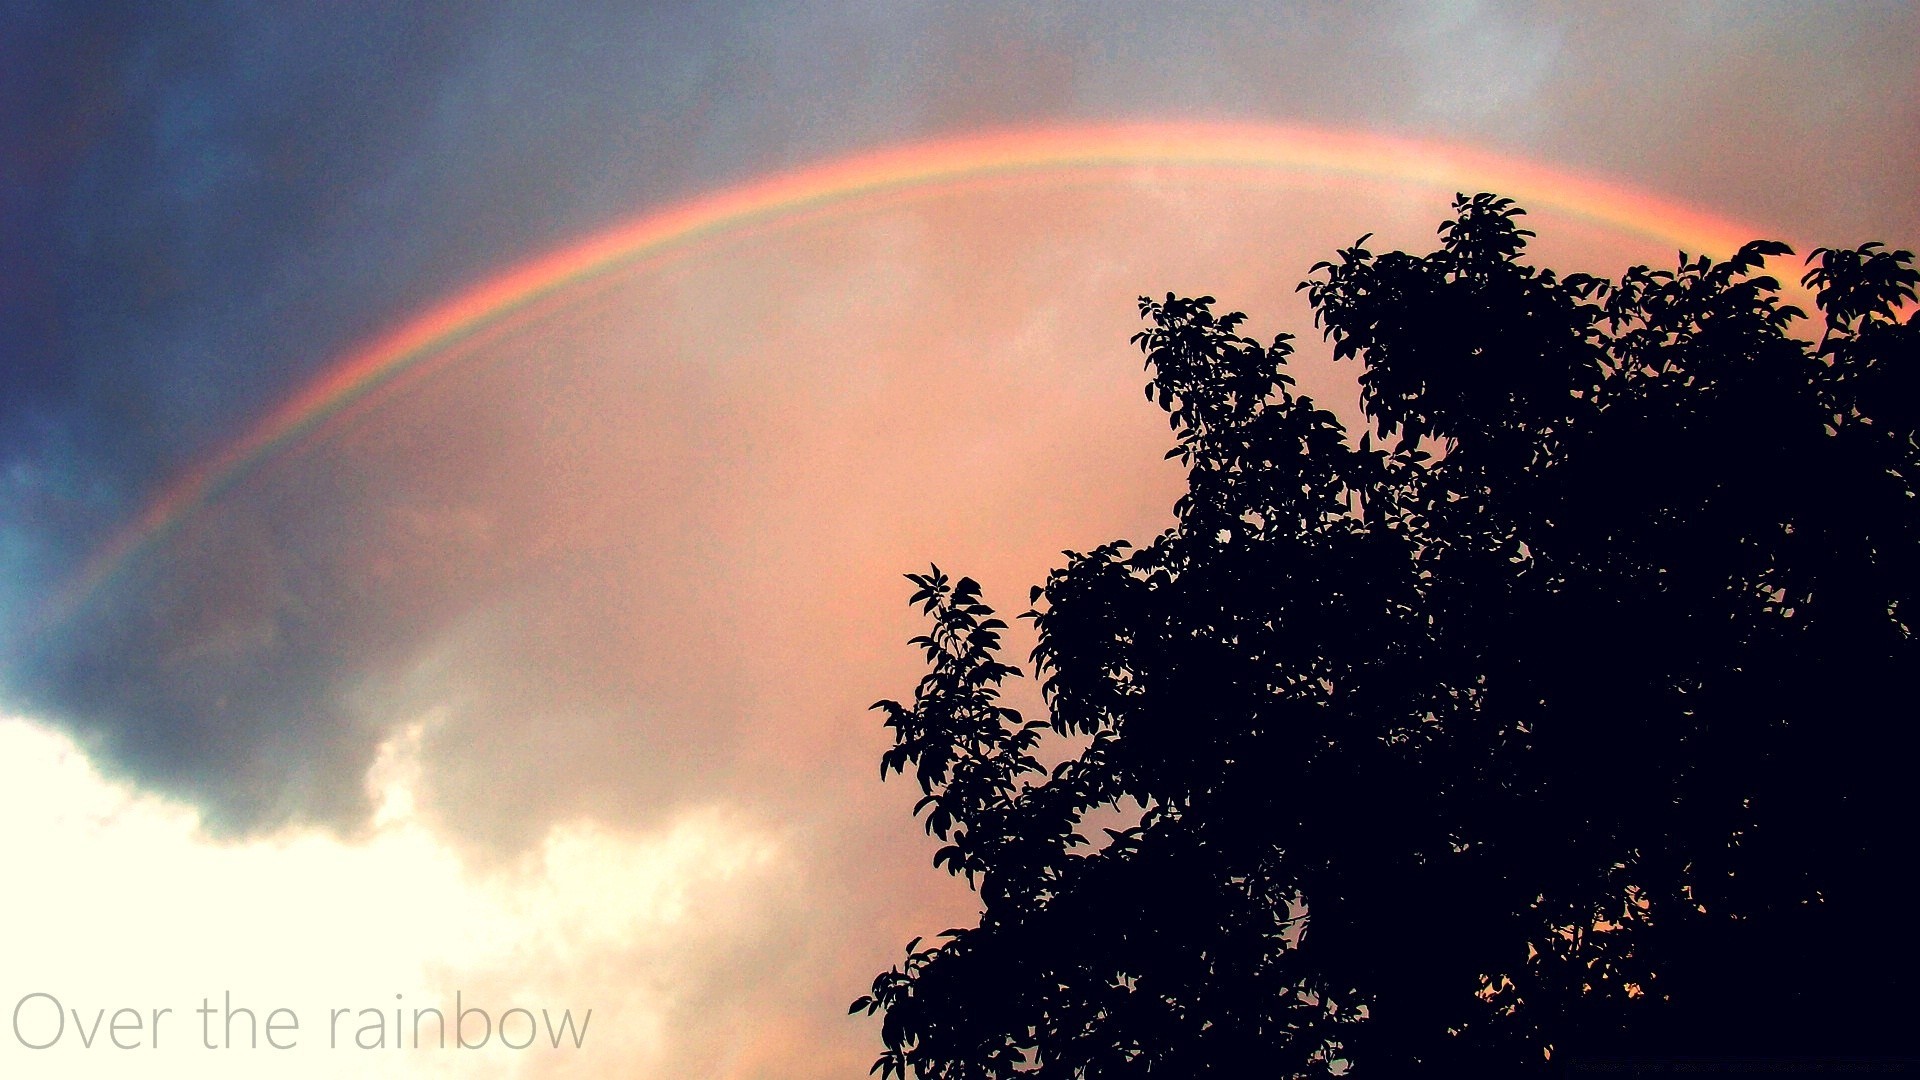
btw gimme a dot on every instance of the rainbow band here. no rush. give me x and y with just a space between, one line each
1292 151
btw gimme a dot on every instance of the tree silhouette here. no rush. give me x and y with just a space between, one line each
1557 717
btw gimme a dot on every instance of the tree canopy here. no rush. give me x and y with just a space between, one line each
1556 716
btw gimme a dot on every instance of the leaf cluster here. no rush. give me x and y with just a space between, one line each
1552 715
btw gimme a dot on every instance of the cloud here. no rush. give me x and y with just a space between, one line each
604 602
121 901
205 205
639 545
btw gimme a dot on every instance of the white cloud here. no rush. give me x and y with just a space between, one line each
116 900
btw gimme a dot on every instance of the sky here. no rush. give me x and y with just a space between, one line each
457 460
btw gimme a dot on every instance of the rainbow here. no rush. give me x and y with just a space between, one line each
1006 156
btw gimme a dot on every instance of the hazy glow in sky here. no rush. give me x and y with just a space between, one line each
543 676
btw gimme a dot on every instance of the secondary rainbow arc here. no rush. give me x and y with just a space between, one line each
1285 150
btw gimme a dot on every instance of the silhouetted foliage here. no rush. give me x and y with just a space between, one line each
1558 715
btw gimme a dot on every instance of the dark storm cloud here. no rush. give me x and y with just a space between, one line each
205 203
186 180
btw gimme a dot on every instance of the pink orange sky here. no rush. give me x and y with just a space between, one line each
622 549
1223 153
